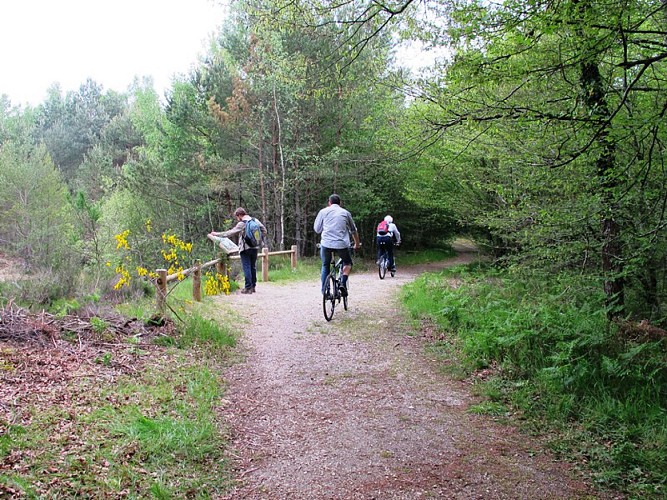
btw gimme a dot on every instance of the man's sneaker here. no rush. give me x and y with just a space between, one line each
343 290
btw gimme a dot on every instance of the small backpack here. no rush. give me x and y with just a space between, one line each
383 228
253 234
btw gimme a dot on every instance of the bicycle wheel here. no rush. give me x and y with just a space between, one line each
329 297
382 266
347 288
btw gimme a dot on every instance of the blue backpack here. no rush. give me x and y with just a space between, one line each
253 233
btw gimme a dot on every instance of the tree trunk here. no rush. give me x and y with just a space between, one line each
283 174
262 192
612 252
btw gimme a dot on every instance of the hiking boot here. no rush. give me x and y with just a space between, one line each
253 289
246 290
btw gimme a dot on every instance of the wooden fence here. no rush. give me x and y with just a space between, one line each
222 267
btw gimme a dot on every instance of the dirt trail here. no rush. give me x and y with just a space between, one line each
355 409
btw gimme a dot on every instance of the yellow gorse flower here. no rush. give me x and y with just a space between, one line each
176 243
124 279
216 284
172 255
121 240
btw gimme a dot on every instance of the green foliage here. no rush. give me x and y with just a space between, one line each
105 359
537 136
73 124
201 331
99 325
557 358
284 107
37 222
274 119
62 307
96 178
125 211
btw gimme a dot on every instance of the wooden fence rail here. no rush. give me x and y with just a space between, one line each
222 267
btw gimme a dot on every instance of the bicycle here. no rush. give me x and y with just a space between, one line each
332 293
383 264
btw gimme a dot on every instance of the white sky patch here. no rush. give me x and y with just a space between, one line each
418 58
43 42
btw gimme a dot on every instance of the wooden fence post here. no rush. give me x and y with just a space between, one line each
161 291
293 257
265 264
196 281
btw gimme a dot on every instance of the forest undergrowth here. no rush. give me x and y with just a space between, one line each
544 350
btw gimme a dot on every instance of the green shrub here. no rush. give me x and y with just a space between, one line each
559 358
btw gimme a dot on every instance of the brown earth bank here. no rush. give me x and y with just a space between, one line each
356 408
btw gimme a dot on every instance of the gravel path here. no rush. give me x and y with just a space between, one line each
355 409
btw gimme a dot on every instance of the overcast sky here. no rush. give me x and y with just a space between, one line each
67 41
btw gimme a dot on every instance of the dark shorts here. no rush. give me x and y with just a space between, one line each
385 240
343 253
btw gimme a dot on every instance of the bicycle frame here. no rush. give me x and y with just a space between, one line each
332 294
336 268
383 263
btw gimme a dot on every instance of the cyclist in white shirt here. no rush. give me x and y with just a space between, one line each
336 225
387 239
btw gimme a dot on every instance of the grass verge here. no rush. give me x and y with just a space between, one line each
136 421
